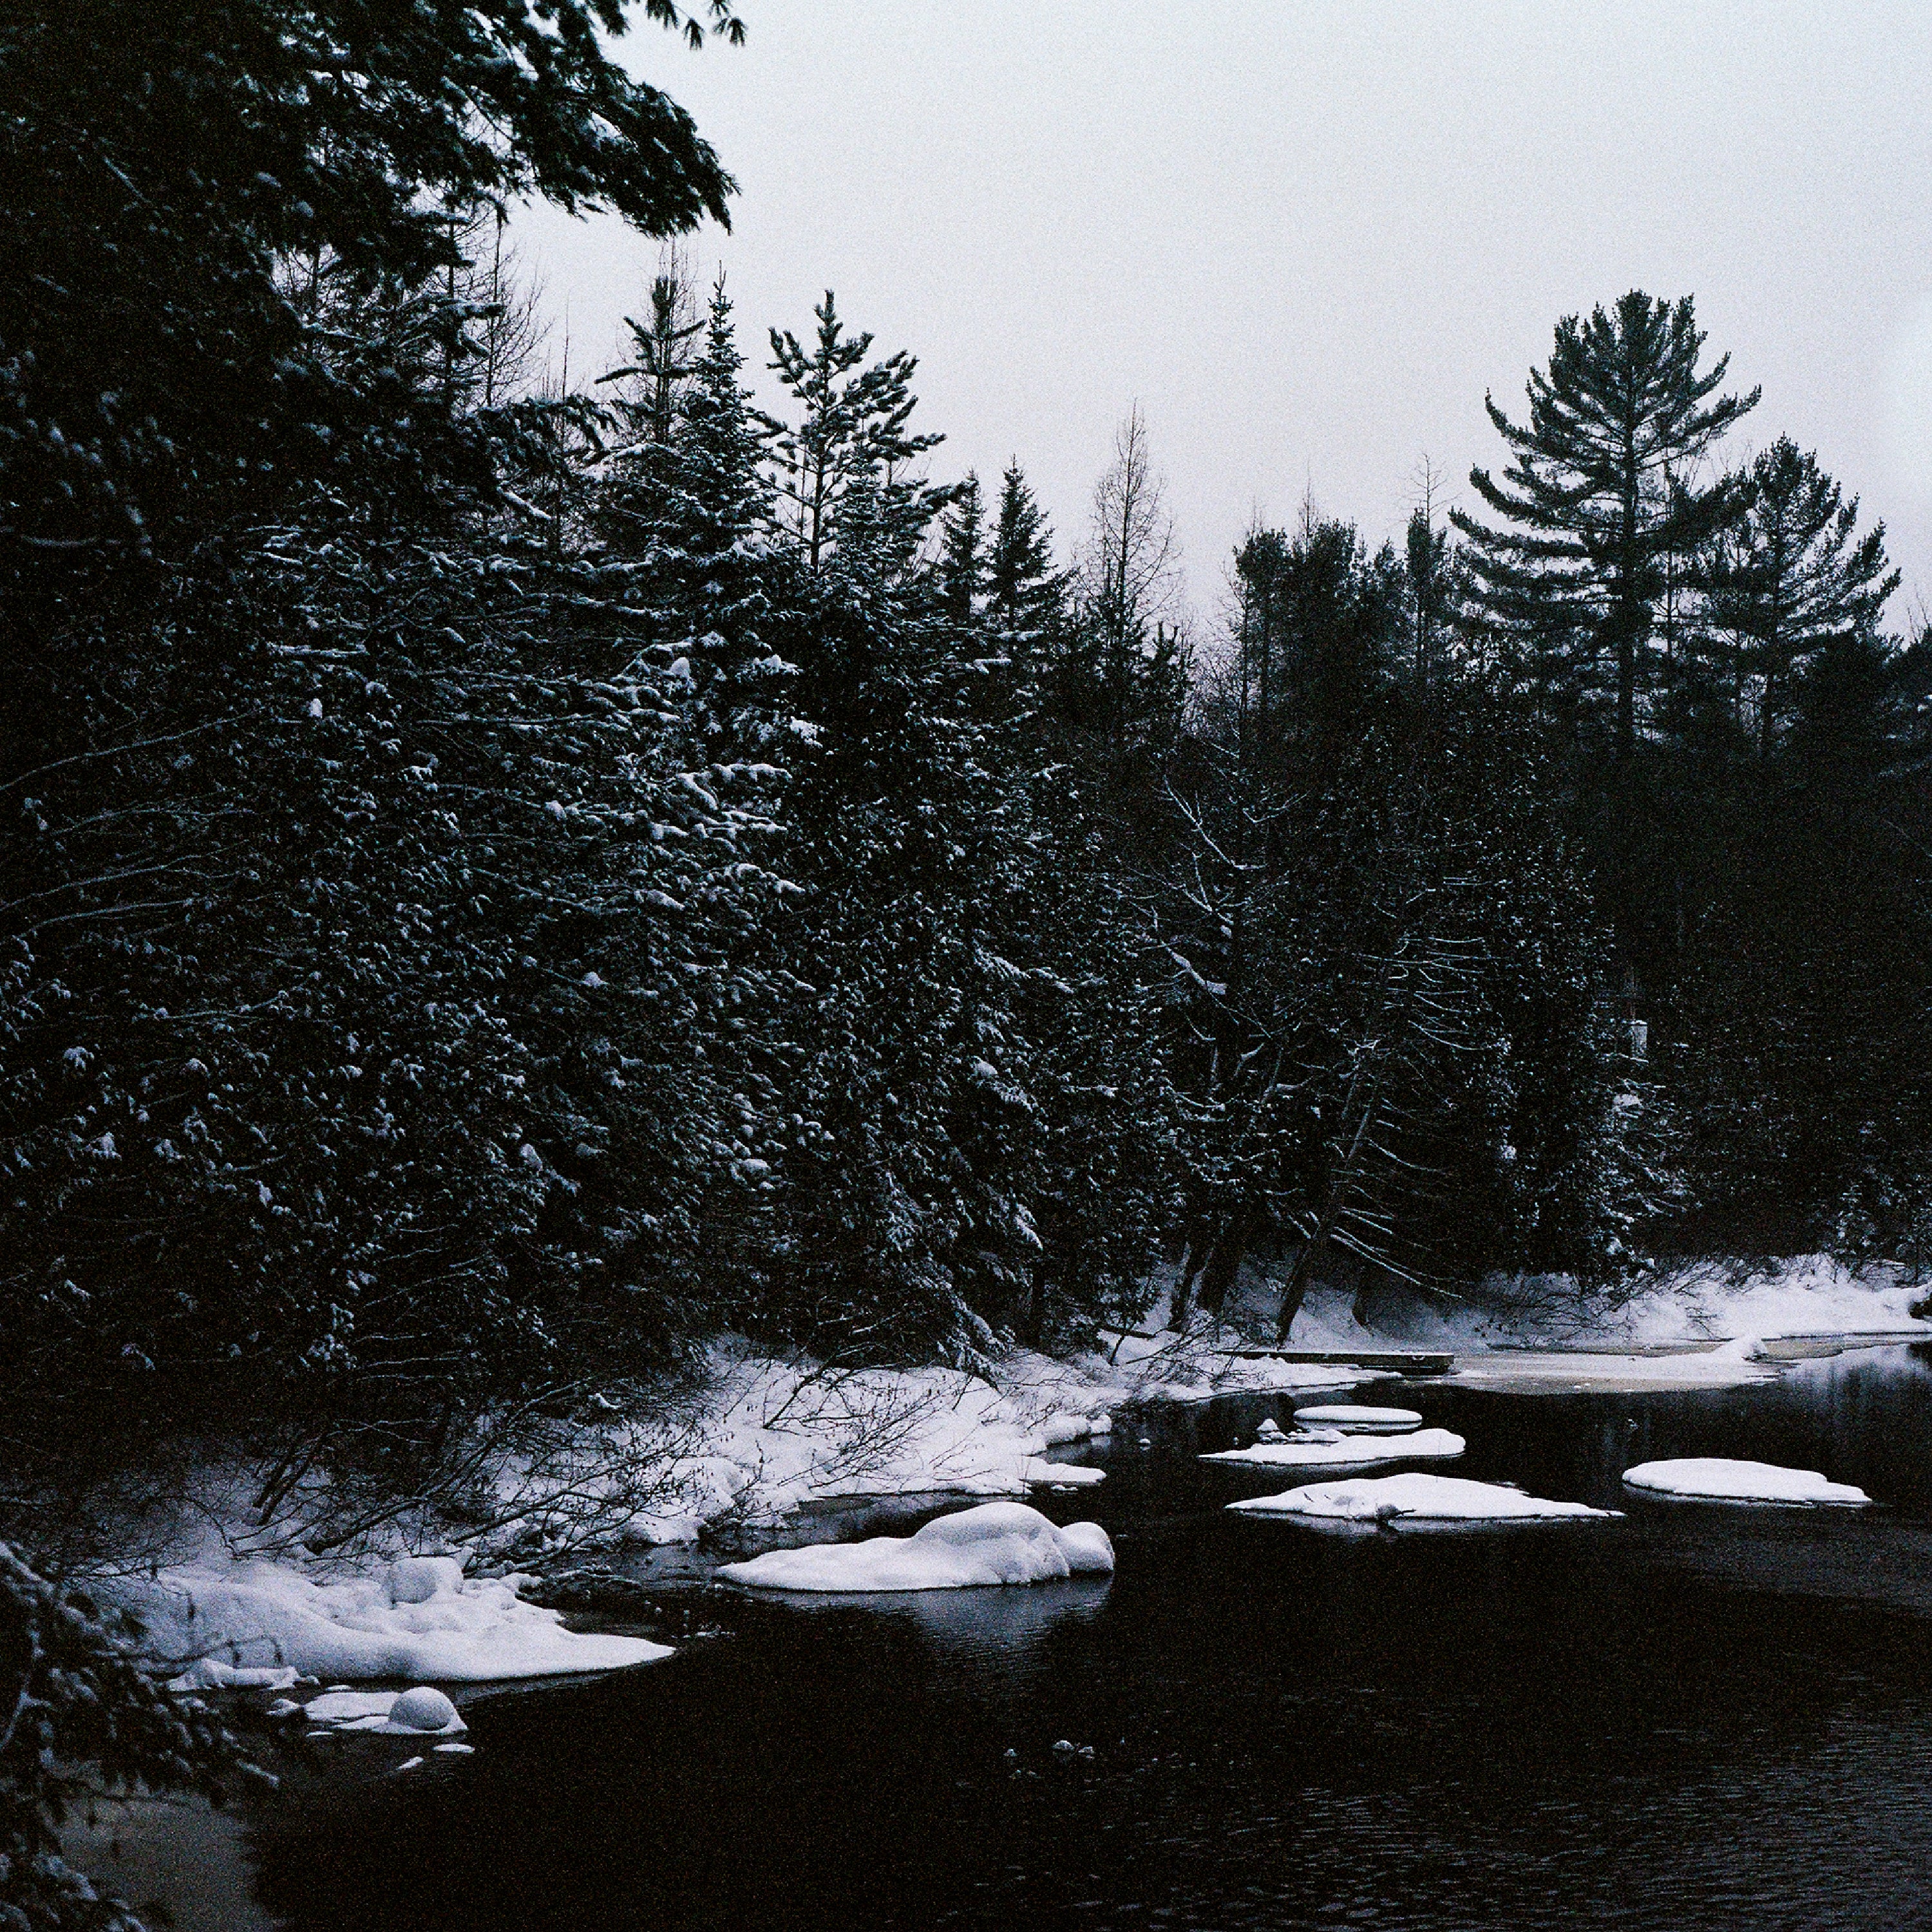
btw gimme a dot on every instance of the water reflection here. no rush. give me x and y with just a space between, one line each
1693 1718
1001 1627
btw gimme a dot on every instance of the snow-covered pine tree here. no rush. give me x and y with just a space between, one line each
851 430
1597 498
1023 591
1785 581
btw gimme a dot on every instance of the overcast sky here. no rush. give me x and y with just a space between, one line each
1308 237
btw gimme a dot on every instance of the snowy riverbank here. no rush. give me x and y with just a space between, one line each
756 1440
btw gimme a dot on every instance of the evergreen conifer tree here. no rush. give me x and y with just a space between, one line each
1790 580
1597 497
1022 591
852 429
962 562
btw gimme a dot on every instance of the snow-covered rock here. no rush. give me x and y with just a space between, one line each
1414 1500
424 1708
1357 1417
249 1617
1716 1479
994 1543
1346 1453
423 1712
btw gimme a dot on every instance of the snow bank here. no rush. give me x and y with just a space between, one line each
994 1543
1699 1325
773 1436
1350 1452
1414 1502
1356 1416
1715 1479
419 1618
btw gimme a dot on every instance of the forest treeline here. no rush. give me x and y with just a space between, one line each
501 880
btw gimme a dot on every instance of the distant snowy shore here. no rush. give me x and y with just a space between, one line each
757 1439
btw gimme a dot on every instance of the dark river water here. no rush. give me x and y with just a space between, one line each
1695 1717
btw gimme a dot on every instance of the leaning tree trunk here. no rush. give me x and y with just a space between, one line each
1340 1187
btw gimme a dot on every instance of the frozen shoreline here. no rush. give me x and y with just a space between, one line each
763 1439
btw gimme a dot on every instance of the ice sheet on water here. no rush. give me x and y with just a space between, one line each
994 1544
1357 1415
1414 1500
1349 1452
1717 1479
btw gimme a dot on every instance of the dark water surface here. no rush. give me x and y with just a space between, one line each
1695 1717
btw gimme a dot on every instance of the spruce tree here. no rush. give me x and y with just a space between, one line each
1597 495
1022 591
962 554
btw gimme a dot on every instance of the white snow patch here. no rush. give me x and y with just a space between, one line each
422 1712
1718 1480
1543 1332
1353 1415
994 1543
210 1673
1350 1452
771 1437
418 1618
1414 1500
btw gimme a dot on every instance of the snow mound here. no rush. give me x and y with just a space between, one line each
1355 1415
1715 1479
1414 1502
424 1711
1350 1452
996 1542
420 1618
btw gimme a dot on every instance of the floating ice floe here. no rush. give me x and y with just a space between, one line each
1715 1479
268 1623
1355 1416
424 1711
1414 1501
1060 1475
1347 1452
996 1542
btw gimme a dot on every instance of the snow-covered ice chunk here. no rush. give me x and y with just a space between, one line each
1715 1479
1349 1452
1357 1417
1414 1500
1270 1431
424 1708
417 1713
996 1542
1065 1475
261 1615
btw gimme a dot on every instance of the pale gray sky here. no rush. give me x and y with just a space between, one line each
1308 236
